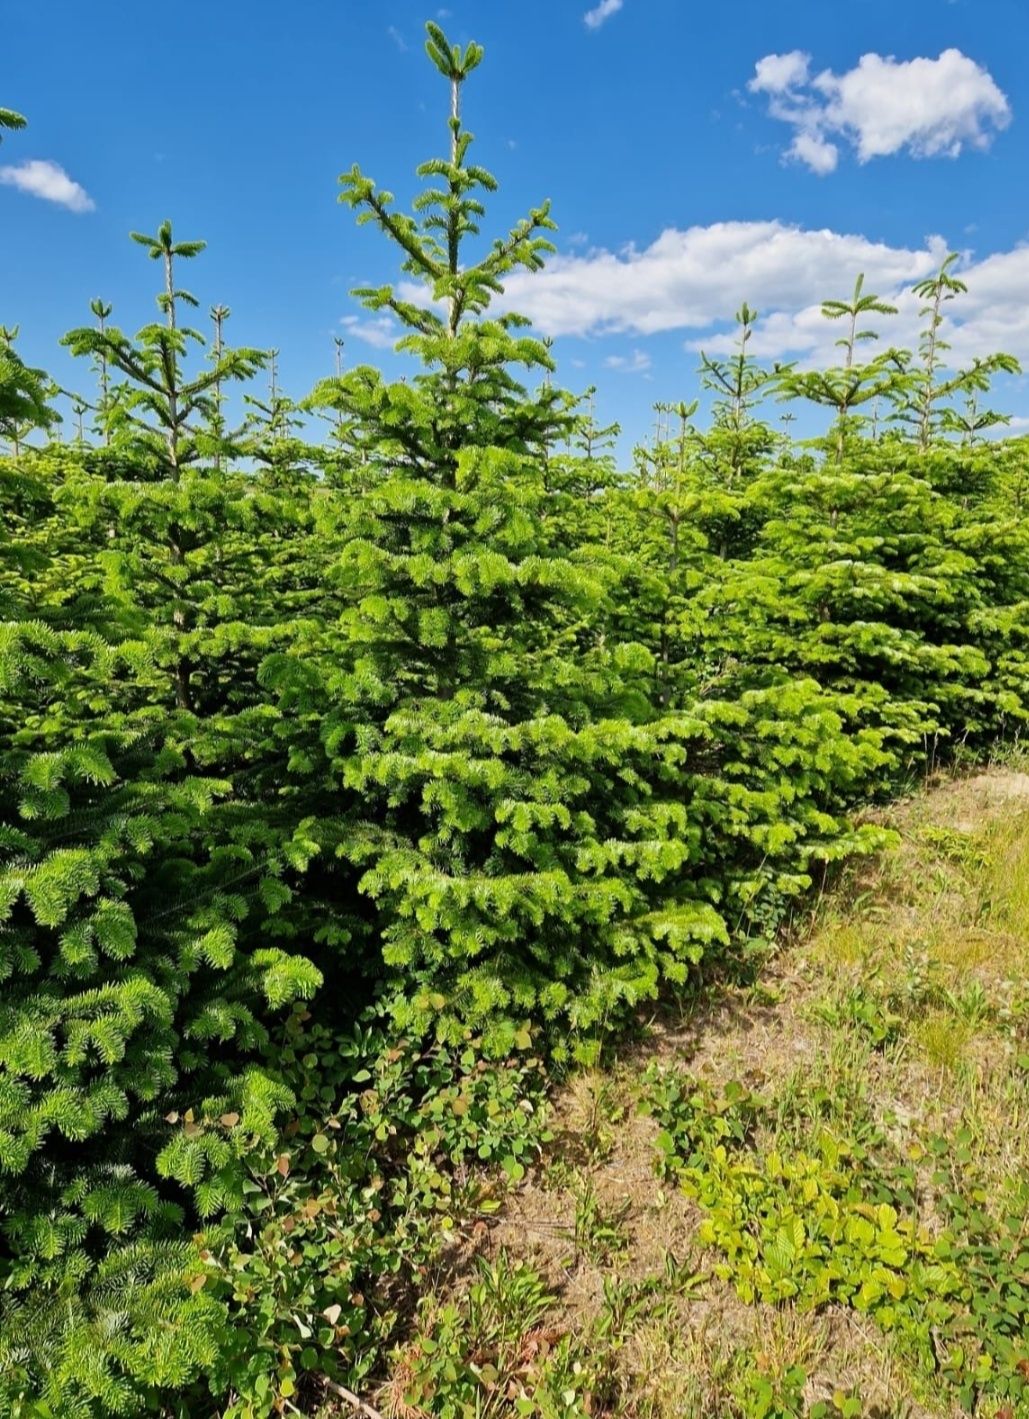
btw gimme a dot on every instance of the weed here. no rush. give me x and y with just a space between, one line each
862 1010
493 1354
598 1231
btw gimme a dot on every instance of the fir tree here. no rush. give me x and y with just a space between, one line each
926 408
737 441
498 755
161 412
935 292
144 868
852 384
269 432
970 419
105 405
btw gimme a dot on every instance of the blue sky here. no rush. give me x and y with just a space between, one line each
696 155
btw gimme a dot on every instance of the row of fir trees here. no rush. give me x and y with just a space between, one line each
333 768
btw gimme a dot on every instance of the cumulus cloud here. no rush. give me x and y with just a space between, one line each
41 178
693 278
779 73
817 152
381 331
691 281
595 18
928 108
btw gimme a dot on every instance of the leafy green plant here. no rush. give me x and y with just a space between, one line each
833 1225
842 1404
862 1010
395 1145
987 1341
758 1394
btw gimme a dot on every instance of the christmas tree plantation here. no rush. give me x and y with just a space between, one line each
350 786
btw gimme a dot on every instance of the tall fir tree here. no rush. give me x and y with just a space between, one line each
506 777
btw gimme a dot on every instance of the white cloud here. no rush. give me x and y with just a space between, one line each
692 280
817 152
41 178
927 108
778 73
378 330
933 107
636 363
603 11
397 38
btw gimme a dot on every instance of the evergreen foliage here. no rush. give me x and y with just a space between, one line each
345 785
11 121
25 394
